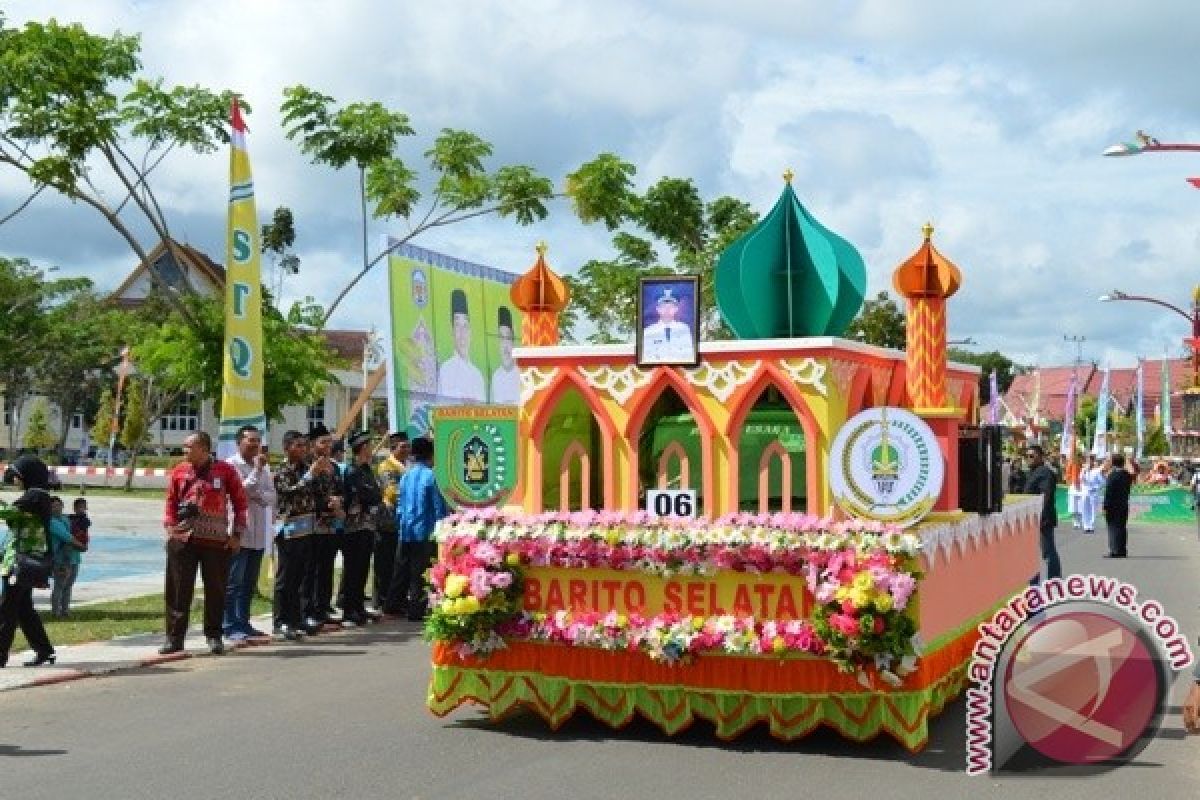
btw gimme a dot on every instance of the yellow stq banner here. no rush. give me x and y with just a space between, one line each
242 378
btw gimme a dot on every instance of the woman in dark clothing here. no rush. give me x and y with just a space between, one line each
16 607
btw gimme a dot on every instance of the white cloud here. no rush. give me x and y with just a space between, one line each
890 111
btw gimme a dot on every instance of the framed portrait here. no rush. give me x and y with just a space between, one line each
668 331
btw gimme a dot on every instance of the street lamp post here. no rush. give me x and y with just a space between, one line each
1193 318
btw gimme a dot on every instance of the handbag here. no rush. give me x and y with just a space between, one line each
32 570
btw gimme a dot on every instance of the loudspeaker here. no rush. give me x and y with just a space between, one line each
980 469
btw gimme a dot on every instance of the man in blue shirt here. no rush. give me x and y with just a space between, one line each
419 506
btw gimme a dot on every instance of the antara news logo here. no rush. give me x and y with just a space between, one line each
1070 673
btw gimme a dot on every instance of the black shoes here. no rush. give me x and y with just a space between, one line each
40 659
170 647
1115 555
215 645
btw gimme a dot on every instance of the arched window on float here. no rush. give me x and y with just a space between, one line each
772 456
571 454
670 448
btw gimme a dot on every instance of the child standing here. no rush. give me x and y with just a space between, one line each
66 559
80 524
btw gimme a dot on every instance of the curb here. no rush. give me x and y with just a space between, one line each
68 674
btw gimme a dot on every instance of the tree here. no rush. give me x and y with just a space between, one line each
881 322
1156 443
1006 370
135 427
80 348
75 114
366 135
278 236
102 426
670 213
178 357
38 435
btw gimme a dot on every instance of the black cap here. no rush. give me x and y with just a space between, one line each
33 471
504 317
458 302
422 448
398 436
317 431
357 440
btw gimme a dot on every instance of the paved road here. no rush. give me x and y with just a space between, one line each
344 716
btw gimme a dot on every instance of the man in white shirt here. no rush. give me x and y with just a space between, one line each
244 566
667 341
1093 487
506 380
458 378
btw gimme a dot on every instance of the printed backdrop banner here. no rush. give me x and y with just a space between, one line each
242 400
453 330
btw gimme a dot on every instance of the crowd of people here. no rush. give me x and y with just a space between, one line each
223 517
324 500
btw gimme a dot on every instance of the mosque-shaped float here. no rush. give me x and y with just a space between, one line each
830 576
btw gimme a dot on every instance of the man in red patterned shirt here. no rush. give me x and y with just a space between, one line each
200 493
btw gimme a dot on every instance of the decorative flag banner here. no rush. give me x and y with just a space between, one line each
1067 446
1100 441
123 372
1139 411
994 400
242 377
1165 403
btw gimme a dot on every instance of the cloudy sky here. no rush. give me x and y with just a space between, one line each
890 112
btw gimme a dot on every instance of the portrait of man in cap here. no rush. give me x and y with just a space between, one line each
667 309
506 379
458 378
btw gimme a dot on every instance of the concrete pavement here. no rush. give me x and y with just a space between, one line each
344 716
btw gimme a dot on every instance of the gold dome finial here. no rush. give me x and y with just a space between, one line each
927 229
788 175
1196 296
541 248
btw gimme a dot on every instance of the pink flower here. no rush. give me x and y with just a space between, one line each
480 583
844 624
502 580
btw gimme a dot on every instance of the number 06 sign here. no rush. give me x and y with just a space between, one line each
671 502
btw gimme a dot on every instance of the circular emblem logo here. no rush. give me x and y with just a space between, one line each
885 464
480 470
1082 688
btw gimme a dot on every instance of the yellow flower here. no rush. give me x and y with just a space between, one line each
455 584
447 606
470 604
697 623
622 620
883 602
612 536
864 581
841 593
512 560
778 644
860 597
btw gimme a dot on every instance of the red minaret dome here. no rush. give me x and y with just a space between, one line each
540 295
539 289
927 273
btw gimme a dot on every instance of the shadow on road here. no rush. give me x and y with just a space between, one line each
946 750
15 751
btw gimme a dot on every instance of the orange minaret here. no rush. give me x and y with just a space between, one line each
927 279
541 296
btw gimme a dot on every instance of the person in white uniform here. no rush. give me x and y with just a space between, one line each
1093 488
1075 492
458 378
506 380
668 341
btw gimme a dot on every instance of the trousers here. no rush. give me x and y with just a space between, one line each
384 559
291 564
407 590
317 585
1118 531
16 611
183 560
244 567
1091 504
1050 551
60 595
356 561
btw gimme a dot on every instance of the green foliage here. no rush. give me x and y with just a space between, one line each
1006 370
102 426
367 135
1156 443
881 322
180 357
671 216
135 427
38 435
75 114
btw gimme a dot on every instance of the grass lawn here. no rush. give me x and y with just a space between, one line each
104 621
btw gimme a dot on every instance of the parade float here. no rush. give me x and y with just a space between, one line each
771 534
